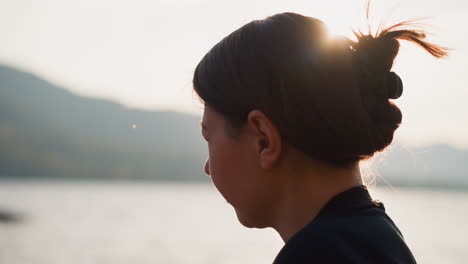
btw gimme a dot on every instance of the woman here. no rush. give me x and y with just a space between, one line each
289 114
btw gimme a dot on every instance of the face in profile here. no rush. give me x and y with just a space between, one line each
234 169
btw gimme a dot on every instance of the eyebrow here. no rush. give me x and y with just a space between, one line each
202 125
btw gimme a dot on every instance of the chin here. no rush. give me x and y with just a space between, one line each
250 222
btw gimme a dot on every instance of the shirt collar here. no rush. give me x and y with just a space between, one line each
353 198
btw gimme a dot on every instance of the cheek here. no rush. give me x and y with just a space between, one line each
236 175
228 169
221 167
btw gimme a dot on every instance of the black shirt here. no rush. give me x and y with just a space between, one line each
351 228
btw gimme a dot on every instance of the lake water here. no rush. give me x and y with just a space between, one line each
149 222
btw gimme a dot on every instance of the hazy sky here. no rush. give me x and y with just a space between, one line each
142 52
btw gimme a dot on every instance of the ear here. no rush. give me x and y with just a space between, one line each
267 139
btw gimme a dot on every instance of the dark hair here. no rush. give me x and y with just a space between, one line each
328 97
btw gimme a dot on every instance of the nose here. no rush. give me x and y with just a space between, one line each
207 167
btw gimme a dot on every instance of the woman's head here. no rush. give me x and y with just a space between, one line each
329 98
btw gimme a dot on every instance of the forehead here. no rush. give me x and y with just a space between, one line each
210 117
214 121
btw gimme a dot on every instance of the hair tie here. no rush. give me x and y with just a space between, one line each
394 86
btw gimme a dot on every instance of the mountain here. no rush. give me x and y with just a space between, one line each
435 165
46 131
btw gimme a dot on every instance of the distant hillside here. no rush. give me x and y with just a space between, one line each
436 165
48 131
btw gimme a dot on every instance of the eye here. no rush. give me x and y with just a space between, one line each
205 137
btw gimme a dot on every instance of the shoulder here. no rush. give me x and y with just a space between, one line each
367 237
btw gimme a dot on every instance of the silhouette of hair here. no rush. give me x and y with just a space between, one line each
329 97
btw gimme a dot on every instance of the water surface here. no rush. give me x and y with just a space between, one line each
150 222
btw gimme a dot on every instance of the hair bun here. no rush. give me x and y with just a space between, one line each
394 86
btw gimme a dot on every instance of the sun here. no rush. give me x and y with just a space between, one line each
344 28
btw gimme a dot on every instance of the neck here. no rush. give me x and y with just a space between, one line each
304 194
